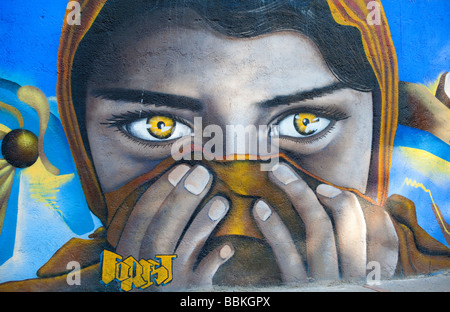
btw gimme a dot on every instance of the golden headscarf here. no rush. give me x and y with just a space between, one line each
381 55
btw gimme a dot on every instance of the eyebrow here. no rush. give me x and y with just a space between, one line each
302 96
148 98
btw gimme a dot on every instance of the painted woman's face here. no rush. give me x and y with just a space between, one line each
159 80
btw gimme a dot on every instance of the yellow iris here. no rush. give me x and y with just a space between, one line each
161 127
303 123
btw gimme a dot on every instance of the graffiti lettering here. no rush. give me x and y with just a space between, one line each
130 273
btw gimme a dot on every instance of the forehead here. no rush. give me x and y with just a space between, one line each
189 58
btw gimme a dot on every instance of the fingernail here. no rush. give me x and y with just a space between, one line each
217 210
197 180
177 174
328 191
284 174
225 252
263 211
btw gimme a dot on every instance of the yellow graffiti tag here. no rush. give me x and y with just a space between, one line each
130 273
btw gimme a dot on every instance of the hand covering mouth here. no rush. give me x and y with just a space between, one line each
242 183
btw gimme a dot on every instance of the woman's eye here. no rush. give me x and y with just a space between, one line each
302 125
160 127
157 128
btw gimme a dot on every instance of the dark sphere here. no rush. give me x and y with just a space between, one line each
20 148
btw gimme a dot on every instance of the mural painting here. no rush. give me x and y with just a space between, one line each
196 144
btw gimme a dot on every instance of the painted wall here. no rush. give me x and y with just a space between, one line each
49 203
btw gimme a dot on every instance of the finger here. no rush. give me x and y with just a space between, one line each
283 247
200 229
382 240
209 265
145 210
165 231
350 229
320 242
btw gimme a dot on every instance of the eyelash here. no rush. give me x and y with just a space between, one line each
119 121
128 117
332 113
310 140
